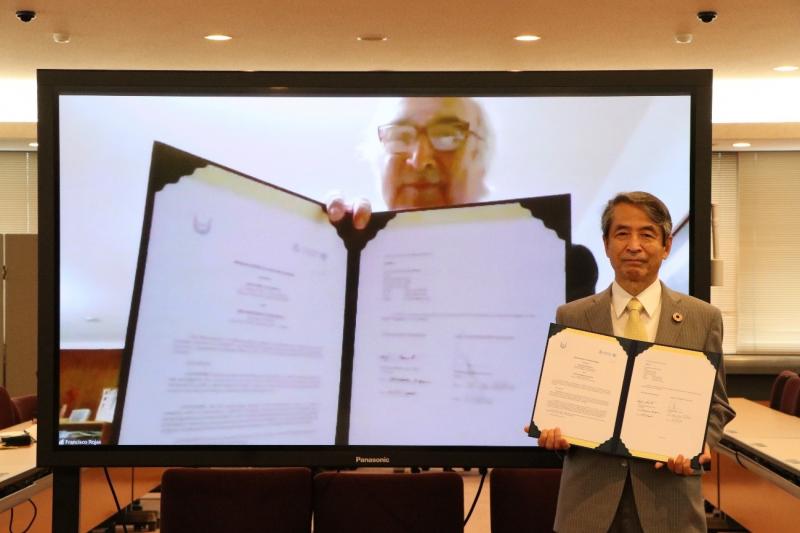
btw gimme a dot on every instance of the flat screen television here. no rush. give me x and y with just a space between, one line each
197 307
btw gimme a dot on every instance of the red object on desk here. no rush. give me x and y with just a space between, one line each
790 399
8 411
778 385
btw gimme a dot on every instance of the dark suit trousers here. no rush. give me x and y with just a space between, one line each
626 519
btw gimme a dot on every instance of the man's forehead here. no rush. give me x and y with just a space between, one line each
422 110
631 216
649 224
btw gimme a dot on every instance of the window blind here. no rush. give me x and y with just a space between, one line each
18 192
769 252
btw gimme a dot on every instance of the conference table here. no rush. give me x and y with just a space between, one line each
21 480
765 441
757 462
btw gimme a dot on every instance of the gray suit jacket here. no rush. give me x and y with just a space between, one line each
592 482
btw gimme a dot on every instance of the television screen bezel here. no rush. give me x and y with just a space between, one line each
52 83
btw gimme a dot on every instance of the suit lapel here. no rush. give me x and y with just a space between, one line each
599 313
669 329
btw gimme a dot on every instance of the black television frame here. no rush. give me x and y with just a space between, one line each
53 83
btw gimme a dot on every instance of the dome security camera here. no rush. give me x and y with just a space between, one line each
25 15
707 17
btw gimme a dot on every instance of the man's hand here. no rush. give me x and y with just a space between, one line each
682 466
338 209
551 439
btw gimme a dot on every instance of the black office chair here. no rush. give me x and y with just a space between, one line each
523 500
275 500
388 503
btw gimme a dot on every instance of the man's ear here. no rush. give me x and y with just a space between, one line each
667 246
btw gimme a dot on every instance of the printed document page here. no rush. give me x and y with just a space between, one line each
452 307
667 409
581 385
239 331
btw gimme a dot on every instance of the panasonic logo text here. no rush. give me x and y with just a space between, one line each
372 460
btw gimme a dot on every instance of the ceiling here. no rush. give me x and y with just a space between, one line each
744 43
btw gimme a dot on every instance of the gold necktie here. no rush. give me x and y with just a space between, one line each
634 328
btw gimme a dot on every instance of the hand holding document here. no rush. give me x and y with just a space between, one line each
624 397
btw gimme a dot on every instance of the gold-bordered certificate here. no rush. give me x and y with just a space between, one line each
624 397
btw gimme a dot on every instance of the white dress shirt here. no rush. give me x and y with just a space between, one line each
650 299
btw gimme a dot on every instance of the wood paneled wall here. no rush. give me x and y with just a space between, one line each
83 376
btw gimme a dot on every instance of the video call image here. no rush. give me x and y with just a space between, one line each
240 317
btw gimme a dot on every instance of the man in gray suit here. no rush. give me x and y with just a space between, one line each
606 493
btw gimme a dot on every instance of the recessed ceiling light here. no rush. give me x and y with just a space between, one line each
61 38
741 145
526 38
786 68
218 37
684 38
373 37
33 145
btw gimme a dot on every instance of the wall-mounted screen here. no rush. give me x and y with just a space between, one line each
197 306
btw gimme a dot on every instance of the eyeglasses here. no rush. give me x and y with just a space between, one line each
445 136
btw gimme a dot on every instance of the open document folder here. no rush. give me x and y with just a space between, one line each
625 397
243 325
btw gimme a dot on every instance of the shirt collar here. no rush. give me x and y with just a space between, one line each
650 298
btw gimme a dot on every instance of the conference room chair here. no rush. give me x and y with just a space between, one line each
778 384
523 500
8 411
790 399
349 502
264 500
27 406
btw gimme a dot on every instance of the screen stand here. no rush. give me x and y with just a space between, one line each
66 498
